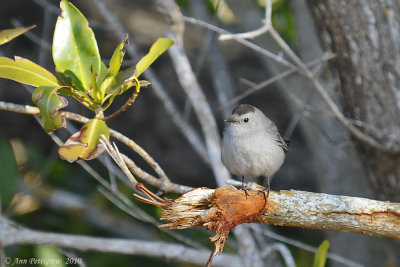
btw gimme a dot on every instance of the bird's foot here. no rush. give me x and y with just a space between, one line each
245 191
265 191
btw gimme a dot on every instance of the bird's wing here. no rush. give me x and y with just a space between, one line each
283 143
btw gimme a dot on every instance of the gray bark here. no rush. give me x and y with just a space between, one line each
365 35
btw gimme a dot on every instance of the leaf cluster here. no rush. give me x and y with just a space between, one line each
81 74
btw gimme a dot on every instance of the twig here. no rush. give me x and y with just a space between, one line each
204 114
164 184
188 132
116 156
194 92
33 37
63 200
13 234
391 146
283 250
253 34
129 102
72 255
256 87
304 246
244 42
2 255
149 160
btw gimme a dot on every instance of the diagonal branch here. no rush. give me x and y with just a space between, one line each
187 130
164 184
13 234
193 91
392 146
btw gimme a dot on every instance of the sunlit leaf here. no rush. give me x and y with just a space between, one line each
115 65
49 102
117 57
9 34
85 144
25 71
320 255
74 46
8 173
159 47
102 75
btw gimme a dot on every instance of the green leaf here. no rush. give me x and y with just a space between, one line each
75 50
9 34
49 256
8 173
159 47
102 75
320 256
49 102
113 69
117 57
123 80
85 143
25 71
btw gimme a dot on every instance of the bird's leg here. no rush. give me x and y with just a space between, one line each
266 189
268 186
245 190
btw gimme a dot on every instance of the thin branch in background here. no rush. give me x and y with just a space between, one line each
283 251
121 200
254 88
48 6
187 130
392 146
168 187
2 255
13 234
193 91
205 116
277 58
43 54
111 172
148 219
33 37
72 255
54 9
142 216
253 34
332 256
142 153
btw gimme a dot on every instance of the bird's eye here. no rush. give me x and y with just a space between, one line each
246 120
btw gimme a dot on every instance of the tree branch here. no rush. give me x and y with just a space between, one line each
188 132
164 184
223 209
284 208
193 91
392 146
13 234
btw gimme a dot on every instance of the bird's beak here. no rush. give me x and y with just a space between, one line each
231 119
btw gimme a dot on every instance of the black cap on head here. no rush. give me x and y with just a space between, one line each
243 109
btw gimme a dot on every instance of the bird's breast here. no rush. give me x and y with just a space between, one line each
251 155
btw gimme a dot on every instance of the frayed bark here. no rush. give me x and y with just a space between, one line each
222 209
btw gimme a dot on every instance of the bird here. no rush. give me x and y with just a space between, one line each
251 145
